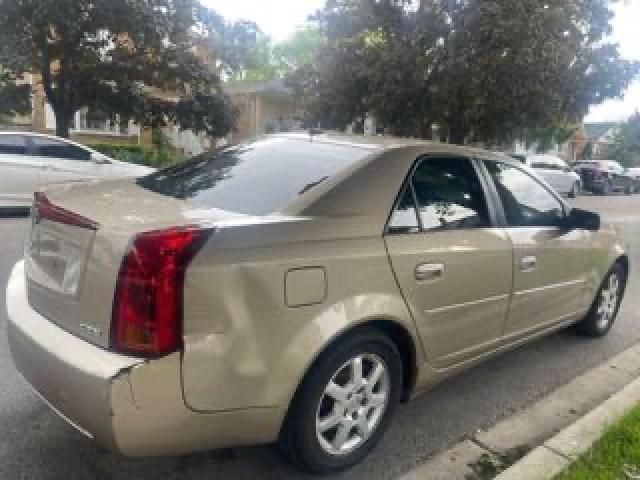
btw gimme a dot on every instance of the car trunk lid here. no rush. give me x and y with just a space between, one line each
80 233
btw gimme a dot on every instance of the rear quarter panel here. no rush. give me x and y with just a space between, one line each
608 246
244 347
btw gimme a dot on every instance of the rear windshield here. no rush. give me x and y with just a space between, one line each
253 178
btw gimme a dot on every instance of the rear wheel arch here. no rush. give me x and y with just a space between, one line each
299 431
623 260
395 332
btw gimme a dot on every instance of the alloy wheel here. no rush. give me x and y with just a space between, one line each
608 302
353 403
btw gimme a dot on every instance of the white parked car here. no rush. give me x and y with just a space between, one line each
634 172
30 160
555 171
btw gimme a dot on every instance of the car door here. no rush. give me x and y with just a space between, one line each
551 263
545 168
20 172
453 266
566 177
65 161
622 180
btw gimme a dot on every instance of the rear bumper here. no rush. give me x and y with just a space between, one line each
126 404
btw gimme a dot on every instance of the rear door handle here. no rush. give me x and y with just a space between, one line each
528 263
429 271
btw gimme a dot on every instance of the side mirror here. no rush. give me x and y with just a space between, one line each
579 219
100 159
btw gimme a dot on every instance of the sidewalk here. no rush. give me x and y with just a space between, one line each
611 389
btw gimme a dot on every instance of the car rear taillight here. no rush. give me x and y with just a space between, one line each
43 209
148 302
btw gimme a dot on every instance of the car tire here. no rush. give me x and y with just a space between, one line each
607 188
605 306
575 190
335 420
628 190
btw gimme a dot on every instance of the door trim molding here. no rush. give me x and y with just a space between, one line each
569 283
471 303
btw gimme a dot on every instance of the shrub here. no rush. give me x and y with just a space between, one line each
158 155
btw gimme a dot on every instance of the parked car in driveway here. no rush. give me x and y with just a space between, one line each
30 160
555 171
604 177
294 289
634 172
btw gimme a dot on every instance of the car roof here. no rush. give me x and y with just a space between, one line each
32 134
381 143
26 133
543 156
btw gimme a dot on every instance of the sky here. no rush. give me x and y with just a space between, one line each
280 18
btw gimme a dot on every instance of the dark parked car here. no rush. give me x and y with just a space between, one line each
605 177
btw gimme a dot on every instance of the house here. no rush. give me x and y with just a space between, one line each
91 126
599 136
263 107
589 139
88 126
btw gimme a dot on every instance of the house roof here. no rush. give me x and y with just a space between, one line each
273 87
595 131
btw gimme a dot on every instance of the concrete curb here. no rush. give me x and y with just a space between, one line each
579 410
556 454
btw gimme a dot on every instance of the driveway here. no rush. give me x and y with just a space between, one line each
36 444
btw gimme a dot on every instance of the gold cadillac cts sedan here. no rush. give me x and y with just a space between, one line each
294 289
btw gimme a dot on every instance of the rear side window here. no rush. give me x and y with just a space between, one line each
448 195
255 178
48 147
13 144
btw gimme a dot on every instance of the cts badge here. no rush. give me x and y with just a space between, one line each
95 331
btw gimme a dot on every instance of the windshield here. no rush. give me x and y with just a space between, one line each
254 178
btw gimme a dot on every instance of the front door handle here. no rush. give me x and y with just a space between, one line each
429 271
529 263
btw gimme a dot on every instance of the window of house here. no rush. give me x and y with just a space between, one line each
526 202
92 119
13 144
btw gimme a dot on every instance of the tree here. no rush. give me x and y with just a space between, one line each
14 97
625 144
545 138
264 60
298 50
120 57
483 70
245 52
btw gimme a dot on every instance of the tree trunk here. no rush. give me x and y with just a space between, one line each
426 131
64 118
457 135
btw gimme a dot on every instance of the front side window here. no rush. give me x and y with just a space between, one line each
526 202
13 144
48 147
448 196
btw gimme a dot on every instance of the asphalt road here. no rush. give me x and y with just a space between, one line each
35 444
